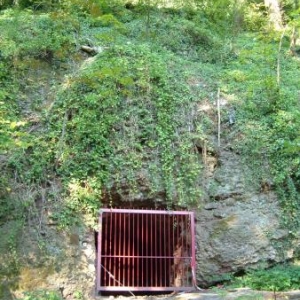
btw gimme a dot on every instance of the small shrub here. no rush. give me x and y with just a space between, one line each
41 295
279 278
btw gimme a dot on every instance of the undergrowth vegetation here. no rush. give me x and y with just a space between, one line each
269 113
123 122
277 279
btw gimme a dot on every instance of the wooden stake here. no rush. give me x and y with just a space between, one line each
278 57
204 153
219 118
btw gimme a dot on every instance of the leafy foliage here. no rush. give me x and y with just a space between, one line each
41 295
279 278
270 113
120 118
125 118
43 36
127 122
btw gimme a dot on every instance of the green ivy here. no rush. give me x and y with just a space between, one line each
119 122
41 295
269 118
279 278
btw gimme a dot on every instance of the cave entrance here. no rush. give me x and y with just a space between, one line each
145 250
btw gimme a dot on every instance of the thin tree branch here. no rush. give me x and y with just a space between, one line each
219 118
278 56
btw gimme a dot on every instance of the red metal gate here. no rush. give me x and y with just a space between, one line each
145 250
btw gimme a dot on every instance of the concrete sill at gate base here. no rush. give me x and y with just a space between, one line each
236 294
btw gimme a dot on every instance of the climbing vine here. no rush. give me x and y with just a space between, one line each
118 125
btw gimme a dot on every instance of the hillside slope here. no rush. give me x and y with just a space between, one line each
122 105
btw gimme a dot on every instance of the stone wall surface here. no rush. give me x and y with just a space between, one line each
239 225
65 263
237 228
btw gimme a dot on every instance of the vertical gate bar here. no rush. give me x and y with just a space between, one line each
182 250
158 235
169 249
156 243
165 245
138 242
133 252
150 249
99 258
158 239
137 251
188 242
173 249
130 252
165 251
147 251
189 250
125 279
124 250
114 247
105 283
107 250
160 251
157 249
179 249
145 242
186 250
185 276
163 262
120 262
111 282
177 239
142 248
127 241
193 245
104 263
156 246
151 252
119 247
102 249
146 239
128 249
189 238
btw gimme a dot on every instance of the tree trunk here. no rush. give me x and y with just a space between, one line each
275 18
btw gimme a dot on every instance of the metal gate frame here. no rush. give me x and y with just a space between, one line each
127 252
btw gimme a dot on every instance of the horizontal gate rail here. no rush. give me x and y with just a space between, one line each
145 250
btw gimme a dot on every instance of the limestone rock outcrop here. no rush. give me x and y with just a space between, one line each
238 227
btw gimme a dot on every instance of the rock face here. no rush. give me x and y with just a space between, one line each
65 263
238 227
